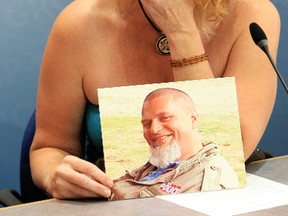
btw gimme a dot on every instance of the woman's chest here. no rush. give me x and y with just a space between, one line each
125 66
125 69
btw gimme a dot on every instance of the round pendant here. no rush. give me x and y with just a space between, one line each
162 45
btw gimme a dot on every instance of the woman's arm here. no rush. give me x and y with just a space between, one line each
255 78
61 102
175 18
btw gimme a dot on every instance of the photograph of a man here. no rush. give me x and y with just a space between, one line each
179 161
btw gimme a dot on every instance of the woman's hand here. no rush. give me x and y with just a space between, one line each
76 178
171 16
175 18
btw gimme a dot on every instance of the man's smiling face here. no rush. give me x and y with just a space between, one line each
165 120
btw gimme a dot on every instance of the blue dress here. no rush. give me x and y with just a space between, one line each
93 148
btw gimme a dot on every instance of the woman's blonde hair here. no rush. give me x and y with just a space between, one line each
207 11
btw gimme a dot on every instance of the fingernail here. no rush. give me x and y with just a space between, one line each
107 193
109 183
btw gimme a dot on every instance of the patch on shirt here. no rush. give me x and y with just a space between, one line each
170 188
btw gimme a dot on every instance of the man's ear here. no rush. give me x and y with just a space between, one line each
195 119
195 116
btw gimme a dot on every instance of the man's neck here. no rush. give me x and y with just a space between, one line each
190 150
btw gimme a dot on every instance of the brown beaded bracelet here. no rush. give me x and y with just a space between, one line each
189 61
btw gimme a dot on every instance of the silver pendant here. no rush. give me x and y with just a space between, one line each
162 45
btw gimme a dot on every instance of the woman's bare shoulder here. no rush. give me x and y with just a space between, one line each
262 11
80 19
243 12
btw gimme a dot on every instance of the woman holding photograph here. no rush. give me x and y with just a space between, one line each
98 43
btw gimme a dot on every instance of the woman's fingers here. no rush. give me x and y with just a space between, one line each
76 178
